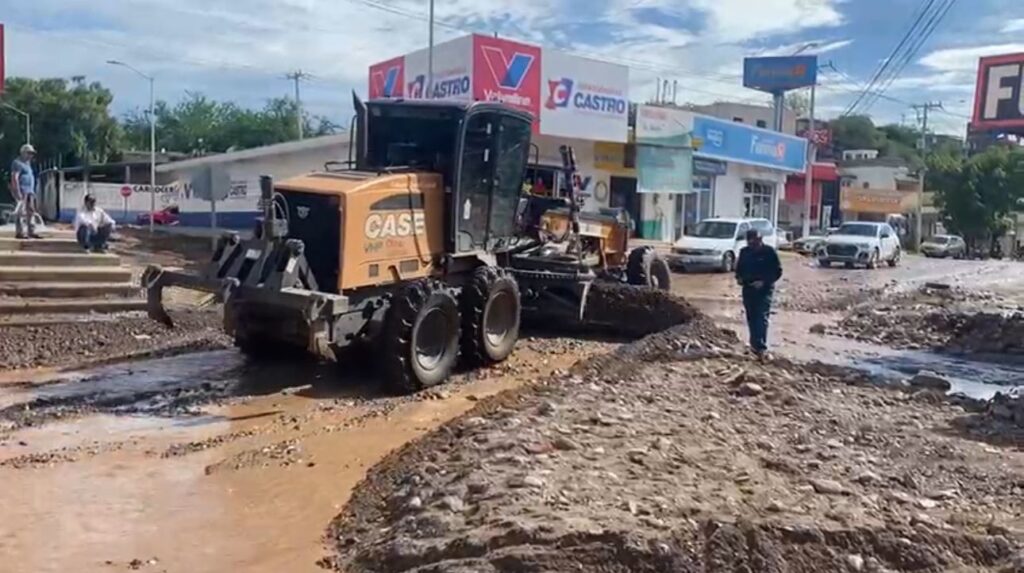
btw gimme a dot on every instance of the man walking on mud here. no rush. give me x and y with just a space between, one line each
757 271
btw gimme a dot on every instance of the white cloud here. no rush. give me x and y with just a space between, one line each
738 20
966 58
1012 26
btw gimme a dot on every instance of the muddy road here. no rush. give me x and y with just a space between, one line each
206 462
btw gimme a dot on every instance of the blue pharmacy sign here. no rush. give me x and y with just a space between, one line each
779 74
735 142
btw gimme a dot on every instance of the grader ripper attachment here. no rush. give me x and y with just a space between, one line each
424 248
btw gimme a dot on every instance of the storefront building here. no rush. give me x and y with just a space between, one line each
757 165
825 210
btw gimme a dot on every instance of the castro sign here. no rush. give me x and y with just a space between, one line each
999 97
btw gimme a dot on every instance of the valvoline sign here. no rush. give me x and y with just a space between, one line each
507 72
387 79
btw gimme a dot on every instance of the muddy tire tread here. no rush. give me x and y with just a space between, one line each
396 336
472 303
642 266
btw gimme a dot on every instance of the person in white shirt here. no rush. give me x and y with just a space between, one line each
93 226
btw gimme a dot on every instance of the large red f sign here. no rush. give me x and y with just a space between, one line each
2 67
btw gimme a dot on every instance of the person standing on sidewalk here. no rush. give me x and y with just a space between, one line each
757 271
23 187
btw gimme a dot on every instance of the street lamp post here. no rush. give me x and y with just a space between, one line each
152 141
28 120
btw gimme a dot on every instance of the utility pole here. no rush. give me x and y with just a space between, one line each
812 156
297 76
430 55
923 109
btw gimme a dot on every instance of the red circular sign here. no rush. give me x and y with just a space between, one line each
126 191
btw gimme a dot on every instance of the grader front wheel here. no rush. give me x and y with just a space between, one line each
491 309
420 338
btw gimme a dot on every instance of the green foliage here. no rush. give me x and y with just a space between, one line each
977 195
200 125
855 132
70 119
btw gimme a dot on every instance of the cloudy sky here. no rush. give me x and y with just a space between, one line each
242 49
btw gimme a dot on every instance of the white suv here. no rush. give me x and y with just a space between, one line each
716 243
865 244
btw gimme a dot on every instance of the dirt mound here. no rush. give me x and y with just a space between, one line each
634 311
678 454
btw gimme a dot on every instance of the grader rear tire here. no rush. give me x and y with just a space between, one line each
646 268
491 312
420 337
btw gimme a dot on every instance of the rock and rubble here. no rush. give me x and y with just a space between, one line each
676 453
951 320
65 343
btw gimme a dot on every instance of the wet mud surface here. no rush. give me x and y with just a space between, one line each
207 462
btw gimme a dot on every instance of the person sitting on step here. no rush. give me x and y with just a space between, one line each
93 226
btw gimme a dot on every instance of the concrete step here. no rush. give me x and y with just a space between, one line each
60 245
34 259
66 274
69 290
77 306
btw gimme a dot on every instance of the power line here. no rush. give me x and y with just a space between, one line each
884 65
933 23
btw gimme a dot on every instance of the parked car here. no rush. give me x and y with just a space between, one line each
716 243
867 244
810 244
784 240
166 216
943 246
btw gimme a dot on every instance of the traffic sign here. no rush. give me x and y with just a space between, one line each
126 191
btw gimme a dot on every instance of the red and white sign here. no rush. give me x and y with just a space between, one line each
126 191
3 70
453 71
568 96
507 72
387 79
583 98
999 94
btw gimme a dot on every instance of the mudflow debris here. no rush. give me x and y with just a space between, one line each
932 318
676 453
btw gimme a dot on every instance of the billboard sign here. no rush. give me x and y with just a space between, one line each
778 74
999 95
452 72
3 70
584 98
507 72
730 141
664 151
387 79
663 126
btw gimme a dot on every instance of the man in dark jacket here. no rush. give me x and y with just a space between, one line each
757 271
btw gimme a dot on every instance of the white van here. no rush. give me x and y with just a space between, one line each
716 243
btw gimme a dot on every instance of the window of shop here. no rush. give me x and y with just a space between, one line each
758 199
541 180
704 185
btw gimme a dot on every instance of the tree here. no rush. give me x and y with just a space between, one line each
976 196
798 103
199 125
71 122
855 132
